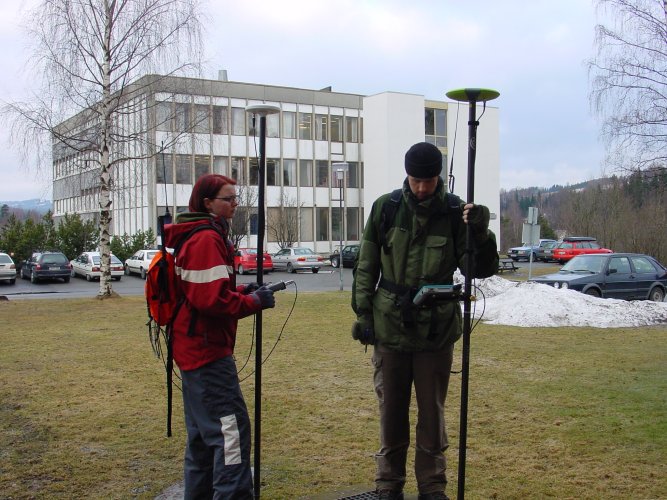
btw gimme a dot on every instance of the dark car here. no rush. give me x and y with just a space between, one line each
627 276
349 254
46 265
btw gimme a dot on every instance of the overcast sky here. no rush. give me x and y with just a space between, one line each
532 51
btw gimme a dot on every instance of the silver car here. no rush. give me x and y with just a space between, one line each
293 259
7 269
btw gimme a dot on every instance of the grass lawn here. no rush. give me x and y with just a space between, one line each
554 412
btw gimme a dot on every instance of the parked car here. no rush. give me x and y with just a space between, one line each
617 275
46 265
577 245
245 260
523 252
7 269
546 251
139 262
349 254
292 259
87 265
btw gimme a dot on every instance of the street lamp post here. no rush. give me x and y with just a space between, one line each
340 169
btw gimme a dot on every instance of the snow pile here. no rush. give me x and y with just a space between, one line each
538 305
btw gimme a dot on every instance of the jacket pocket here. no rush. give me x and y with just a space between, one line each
434 255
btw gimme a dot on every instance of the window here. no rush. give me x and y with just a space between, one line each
352 174
289 173
201 125
306 224
352 223
238 166
182 117
435 122
305 126
220 165
289 125
163 116
202 163
322 224
183 169
220 120
322 173
351 129
620 265
253 172
253 220
336 128
272 172
305 173
336 224
164 168
273 125
321 127
238 121
642 265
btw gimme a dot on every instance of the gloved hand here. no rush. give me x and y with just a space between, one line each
265 297
477 217
362 330
249 288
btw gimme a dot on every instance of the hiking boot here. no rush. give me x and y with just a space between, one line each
390 495
434 495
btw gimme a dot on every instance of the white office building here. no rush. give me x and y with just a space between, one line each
188 127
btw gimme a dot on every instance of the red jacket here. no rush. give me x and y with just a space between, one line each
205 273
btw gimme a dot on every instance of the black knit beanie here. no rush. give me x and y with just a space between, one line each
423 161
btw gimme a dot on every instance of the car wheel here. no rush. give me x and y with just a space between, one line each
290 269
117 278
33 278
72 274
127 270
593 292
143 273
23 276
334 262
66 279
12 281
656 294
240 270
315 270
89 277
515 259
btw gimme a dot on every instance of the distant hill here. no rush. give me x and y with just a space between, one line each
36 205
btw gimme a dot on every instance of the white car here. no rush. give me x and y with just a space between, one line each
7 269
292 259
87 265
139 262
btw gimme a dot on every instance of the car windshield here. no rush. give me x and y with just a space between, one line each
584 263
5 259
54 259
303 251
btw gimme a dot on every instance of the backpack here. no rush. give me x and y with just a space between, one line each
390 207
163 301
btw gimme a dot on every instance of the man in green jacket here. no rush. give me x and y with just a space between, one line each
420 241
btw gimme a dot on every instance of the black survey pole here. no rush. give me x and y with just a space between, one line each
472 96
260 110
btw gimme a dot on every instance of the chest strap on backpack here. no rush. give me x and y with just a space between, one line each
387 216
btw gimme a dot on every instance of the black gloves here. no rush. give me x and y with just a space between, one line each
249 288
362 330
265 297
478 220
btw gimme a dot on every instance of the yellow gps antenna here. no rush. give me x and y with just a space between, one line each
472 96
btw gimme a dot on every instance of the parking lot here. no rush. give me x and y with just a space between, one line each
326 280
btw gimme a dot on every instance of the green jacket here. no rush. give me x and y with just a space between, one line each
424 247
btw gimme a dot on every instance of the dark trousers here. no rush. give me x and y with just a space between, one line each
217 452
395 373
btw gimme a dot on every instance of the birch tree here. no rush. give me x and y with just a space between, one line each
86 56
629 81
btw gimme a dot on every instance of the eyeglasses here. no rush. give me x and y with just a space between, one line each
228 199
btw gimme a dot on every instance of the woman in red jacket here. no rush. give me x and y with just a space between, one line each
217 454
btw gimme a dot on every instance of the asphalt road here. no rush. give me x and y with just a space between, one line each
328 279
